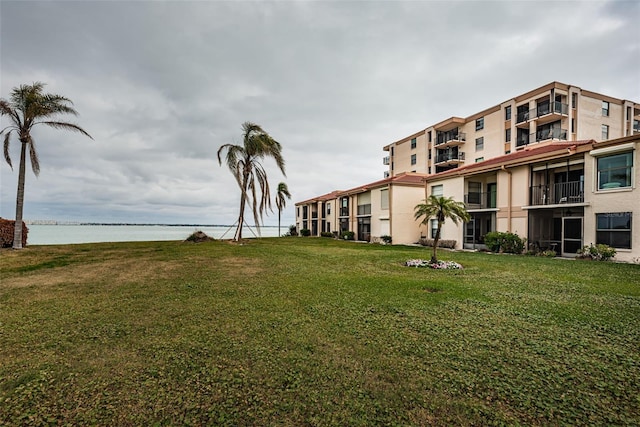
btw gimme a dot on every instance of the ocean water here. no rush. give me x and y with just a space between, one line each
70 234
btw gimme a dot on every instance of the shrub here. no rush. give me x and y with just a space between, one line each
305 232
599 252
386 239
504 242
7 229
199 237
292 231
447 244
347 235
326 234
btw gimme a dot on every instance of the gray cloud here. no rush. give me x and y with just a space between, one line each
161 85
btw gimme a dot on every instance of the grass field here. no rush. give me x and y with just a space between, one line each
313 331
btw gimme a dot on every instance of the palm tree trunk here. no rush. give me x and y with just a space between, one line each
17 234
279 212
436 239
243 201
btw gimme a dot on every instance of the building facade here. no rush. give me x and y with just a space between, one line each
557 165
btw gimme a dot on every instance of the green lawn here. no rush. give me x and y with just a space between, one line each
313 331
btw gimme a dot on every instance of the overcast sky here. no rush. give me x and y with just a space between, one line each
161 85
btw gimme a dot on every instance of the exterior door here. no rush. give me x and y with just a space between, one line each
571 235
470 234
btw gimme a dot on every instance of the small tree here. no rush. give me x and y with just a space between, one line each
440 208
29 106
244 162
281 200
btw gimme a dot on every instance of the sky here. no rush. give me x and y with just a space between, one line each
161 85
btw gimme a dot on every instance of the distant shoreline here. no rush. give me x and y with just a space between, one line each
135 224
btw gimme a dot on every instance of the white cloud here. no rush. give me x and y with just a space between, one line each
161 85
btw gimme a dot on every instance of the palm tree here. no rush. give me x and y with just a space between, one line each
29 106
440 208
281 200
244 163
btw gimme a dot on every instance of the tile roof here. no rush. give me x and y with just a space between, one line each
516 157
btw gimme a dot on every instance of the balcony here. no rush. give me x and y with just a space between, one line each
522 140
447 139
385 161
522 116
447 158
546 134
547 112
480 200
559 193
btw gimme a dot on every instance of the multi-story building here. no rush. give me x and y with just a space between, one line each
554 112
567 178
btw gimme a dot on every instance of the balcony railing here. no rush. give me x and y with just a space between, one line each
449 157
480 200
344 211
522 140
553 133
445 137
522 116
563 192
385 161
555 107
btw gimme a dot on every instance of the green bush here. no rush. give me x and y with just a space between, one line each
305 232
599 252
504 242
442 243
387 239
292 231
326 234
347 235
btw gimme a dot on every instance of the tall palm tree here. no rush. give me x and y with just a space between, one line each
244 162
281 200
27 107
440 208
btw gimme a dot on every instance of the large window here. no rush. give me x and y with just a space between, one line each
480 143
615 171
437 190
614 229
384 199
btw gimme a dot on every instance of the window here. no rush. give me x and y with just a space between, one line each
507 135
480 123
507 112
614 229
298 211
429 171
574 100
615 171
384 199
392 151
434 228
479 159
573 125
605 108
605 132
328 208
429 135
413 159
437 190
480 144
429 154
413 143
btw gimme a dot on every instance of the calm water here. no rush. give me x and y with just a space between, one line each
68 234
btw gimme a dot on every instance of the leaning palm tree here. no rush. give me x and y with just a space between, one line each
244 162
440 208
27 107
281 200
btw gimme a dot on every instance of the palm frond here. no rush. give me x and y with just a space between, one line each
65 126
33 156
7 156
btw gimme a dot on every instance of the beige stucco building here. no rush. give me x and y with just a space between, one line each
557 165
